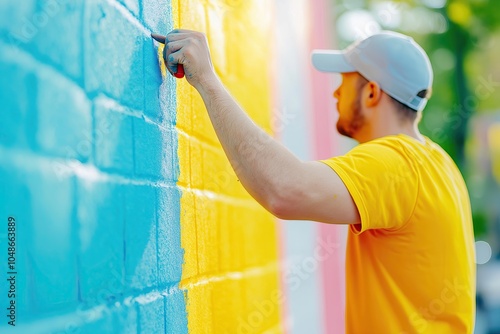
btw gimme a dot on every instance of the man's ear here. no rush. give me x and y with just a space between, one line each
373 94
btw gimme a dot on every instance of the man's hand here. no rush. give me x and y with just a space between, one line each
189 48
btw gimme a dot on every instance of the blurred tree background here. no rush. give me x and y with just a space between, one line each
462 39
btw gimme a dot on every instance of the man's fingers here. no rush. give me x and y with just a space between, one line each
178 44
172 47
159 38
182 31
171 37
174 35
173 60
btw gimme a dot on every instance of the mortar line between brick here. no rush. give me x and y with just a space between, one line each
250 202
200 139
86 171
16 55
190 283
80 317
129 16
72 167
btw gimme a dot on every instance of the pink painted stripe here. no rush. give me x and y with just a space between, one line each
326 145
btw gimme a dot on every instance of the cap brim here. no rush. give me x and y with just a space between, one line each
331 61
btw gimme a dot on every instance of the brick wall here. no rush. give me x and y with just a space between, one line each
89 168
129 218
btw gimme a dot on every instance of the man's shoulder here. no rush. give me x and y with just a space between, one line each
386 145
406 146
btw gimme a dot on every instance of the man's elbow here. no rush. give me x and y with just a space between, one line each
283 207
285 200
277 209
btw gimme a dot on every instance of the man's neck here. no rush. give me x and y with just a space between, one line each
410 130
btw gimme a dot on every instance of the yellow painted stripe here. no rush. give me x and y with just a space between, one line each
230 267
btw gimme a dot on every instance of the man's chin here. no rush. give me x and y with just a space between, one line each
343 131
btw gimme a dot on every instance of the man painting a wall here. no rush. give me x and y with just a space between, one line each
410 254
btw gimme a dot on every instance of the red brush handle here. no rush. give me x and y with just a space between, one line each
180 71
180 68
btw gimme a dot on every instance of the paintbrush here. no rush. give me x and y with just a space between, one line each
180 69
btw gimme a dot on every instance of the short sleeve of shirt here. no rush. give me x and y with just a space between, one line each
382 182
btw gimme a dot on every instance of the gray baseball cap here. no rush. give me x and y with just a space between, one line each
395 61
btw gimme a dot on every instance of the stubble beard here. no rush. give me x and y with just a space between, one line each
355 123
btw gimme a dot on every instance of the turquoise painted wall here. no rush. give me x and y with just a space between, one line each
88 168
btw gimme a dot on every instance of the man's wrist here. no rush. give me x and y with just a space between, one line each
208 84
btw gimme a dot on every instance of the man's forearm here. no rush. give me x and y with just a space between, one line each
259 161
284 185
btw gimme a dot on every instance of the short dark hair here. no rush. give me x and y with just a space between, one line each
406 112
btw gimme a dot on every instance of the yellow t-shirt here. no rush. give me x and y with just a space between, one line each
410 263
